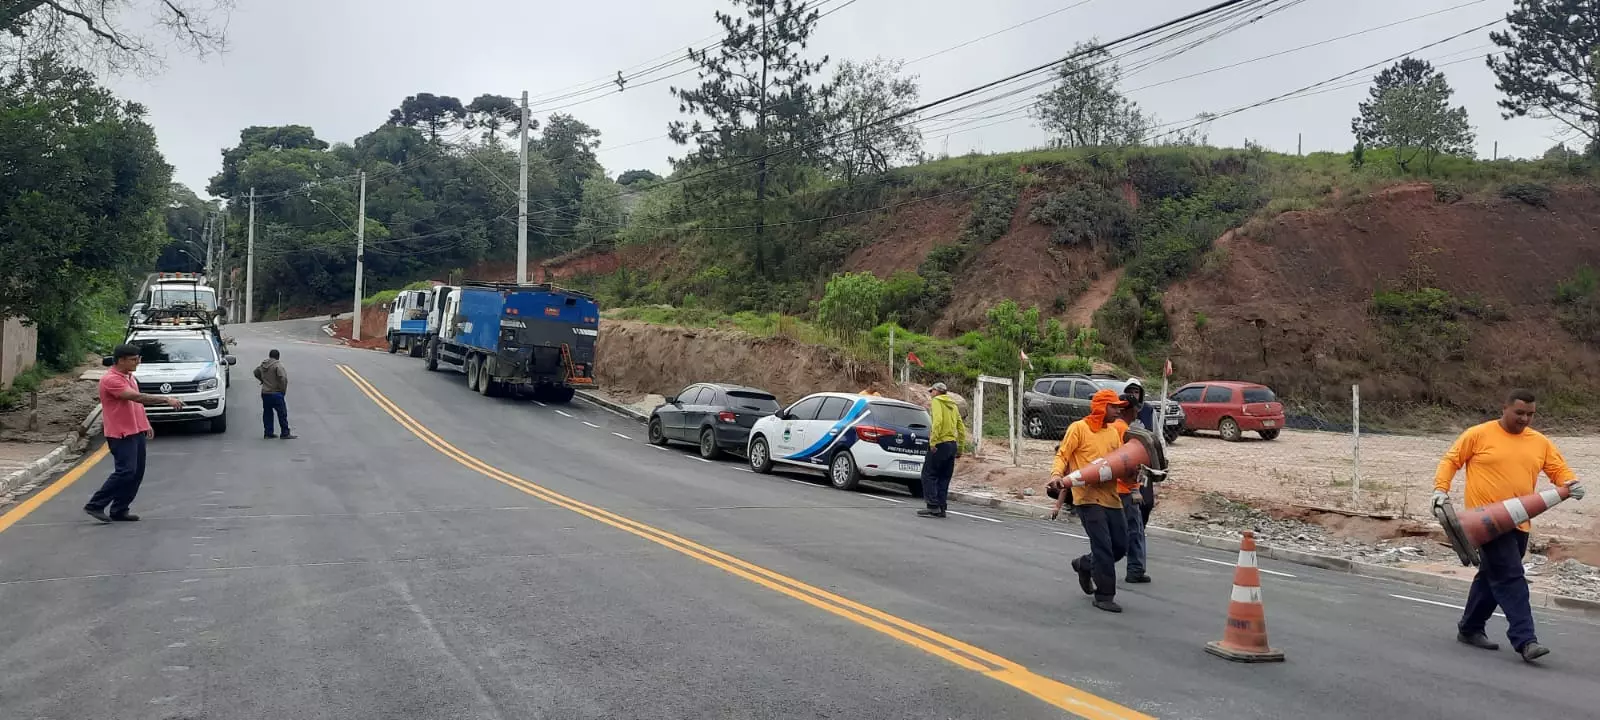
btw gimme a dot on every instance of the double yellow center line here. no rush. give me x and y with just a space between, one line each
966 656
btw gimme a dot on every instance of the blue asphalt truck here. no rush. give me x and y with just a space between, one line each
536 340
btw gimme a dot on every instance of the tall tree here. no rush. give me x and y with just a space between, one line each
1085 108
1408 111
430 112
80 197
600 214
863 93
254 139
756 92
96 31
637 176
492 112
1551 64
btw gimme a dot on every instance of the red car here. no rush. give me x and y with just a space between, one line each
1230 408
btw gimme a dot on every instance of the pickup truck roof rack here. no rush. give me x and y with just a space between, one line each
542 287
169 326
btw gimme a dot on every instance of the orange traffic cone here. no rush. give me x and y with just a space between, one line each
1470 529
1245 637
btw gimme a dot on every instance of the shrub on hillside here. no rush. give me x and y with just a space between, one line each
1578 305
851 303
1422 329
1535 194
991 215
1086 214
1447 193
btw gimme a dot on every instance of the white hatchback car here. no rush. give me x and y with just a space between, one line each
851 436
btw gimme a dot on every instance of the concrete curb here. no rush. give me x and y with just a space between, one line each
43 466
605 404
1538 598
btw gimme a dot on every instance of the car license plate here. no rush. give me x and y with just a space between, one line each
1269 423
907 466
1172 422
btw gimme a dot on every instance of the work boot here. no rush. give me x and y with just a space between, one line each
930 513
1136 579
1477 640
1110 606
1085 579
288 436
98 514
1533 651
269 436
125 517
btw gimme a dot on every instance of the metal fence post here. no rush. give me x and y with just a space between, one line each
1355 442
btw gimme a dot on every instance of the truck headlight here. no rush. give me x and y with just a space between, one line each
208 384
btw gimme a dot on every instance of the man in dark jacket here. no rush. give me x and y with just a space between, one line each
274 384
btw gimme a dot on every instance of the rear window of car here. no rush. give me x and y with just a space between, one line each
746 400
1259 395
901 416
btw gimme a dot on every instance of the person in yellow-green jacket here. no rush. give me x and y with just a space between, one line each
1503 459
944 446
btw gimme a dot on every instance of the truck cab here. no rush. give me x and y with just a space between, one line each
408 321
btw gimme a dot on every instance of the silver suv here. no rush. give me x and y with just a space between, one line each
1056 401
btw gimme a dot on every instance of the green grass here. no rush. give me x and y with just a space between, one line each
383 296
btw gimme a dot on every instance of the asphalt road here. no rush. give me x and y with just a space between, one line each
424 552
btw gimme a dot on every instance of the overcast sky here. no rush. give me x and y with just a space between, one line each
341 65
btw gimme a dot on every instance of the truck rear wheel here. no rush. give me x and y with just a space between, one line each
561 395
470 365
433 356
415 347
394 344
487 386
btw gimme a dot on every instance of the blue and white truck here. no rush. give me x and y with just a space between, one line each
407 328
510 338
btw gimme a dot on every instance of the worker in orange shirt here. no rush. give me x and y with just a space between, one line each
1503 459
1098 505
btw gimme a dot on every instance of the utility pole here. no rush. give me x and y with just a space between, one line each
1299 144
761 159
361 248
222 263
250 264
522 195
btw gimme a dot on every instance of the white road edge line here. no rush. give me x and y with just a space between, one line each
885 499
1229 564
540 404
1071 535
974 517
590 424
701 459
563 413
799 482
620 435
1436 602
657 447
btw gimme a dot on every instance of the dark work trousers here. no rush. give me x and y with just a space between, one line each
270 403
936 471
1147 492
1133 515
1108 542
127 457
1500 582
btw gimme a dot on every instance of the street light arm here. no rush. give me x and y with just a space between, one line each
335 215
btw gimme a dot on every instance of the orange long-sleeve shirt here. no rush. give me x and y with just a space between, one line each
1081 446
1500 465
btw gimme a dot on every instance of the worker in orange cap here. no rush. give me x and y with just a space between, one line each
1503 459
1098 506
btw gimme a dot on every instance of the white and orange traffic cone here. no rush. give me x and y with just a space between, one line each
1245 637
1469 530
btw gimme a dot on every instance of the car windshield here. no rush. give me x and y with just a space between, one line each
914 418
183 296
1259 395
175 350
747 400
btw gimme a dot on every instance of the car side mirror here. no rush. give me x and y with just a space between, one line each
231 360
672 400
781 415
108 361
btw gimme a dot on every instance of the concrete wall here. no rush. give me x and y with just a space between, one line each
19 349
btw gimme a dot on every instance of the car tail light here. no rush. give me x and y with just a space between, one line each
873 433
727 416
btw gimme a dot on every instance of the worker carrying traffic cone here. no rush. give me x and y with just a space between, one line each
1503 459
1244 639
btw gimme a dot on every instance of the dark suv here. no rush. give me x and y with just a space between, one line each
1056 401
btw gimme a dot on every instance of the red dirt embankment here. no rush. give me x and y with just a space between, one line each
635 357
1289 305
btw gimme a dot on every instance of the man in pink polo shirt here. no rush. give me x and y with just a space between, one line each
122 411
